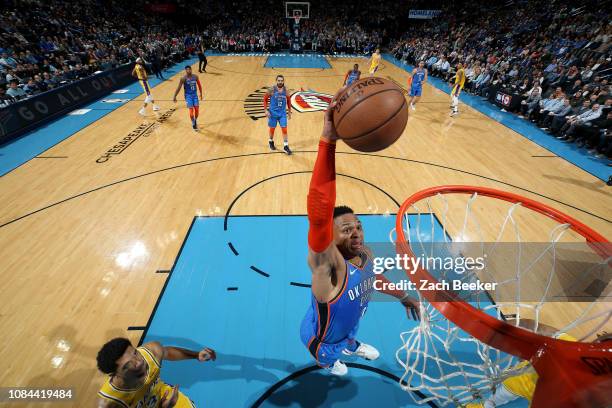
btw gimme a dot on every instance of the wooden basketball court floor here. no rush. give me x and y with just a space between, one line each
82 236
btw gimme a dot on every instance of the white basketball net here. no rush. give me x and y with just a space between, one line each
443 362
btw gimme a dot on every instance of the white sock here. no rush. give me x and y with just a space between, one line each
286 143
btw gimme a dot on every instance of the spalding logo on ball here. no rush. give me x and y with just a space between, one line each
371 114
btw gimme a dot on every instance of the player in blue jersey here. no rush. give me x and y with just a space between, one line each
419 75
191 84
277 104
341 265
352 76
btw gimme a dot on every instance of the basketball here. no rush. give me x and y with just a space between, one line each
371 114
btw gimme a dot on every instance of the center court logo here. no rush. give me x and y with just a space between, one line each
301 101
310 101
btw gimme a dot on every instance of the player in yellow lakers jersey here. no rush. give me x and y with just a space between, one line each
141 73
374 62
523 385
133 380
457 87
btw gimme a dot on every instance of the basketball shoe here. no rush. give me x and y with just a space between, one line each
364 351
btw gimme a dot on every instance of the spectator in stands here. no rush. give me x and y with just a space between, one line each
530 103
557 118
591 133
7 62
68 74
576 87
15 91
567 131
11 75
5 100
431 61
31 88
49 81
552 104
482 80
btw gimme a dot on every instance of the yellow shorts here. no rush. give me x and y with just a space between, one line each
523 384
456 90
145 87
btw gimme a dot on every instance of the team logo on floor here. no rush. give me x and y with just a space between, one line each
310 101
301 101
253 104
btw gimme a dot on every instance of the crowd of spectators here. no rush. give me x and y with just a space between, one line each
44 45
340 26
552 57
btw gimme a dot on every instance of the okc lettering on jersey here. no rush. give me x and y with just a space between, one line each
363 290
190 86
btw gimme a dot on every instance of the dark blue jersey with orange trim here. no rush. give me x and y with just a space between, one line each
337 318
190 86
278 101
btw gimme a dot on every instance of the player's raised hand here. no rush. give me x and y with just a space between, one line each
329 129
207 354
169 403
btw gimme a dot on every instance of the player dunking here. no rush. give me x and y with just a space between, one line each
352 76
342 273
190 82
459 82
374 62
141 73
277 103
419 75
133 379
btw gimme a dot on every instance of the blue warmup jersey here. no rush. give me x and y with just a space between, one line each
191 91
328 328
352 77
278 107
417 82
